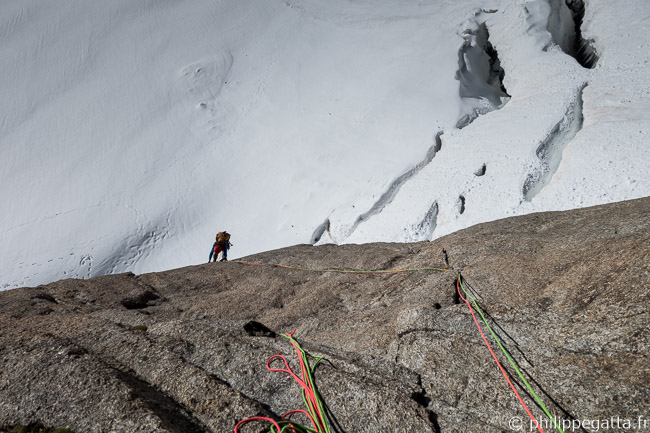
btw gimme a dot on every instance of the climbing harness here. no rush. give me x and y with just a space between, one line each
315 408
344 271
459 286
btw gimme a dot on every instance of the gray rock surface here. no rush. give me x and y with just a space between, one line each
186 350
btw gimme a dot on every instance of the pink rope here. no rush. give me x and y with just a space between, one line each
284 417
262 418
285 370
495 358
307 388
316 417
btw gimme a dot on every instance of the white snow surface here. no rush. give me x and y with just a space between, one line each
132 131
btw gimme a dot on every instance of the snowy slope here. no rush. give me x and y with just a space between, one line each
132 131
569 137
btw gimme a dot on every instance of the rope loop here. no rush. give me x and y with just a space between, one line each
315 409
284 370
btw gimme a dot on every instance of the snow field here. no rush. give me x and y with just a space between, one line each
131 132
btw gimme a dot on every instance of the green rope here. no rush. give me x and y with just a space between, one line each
319 416
514 365
346 271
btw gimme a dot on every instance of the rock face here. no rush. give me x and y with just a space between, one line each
186 350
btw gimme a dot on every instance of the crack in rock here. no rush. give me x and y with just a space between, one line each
421 398
139 299
45 297
549 152
173 417
256 329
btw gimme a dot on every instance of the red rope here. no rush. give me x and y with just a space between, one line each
286 370
495 358
262 418
315 415
304 384
343 271
284 417
309 387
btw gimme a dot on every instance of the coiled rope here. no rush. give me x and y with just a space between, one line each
316 413
315 409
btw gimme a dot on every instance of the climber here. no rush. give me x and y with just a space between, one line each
222 244
214 252
224 241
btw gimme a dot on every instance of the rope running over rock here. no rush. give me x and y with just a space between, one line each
459 286
344 271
